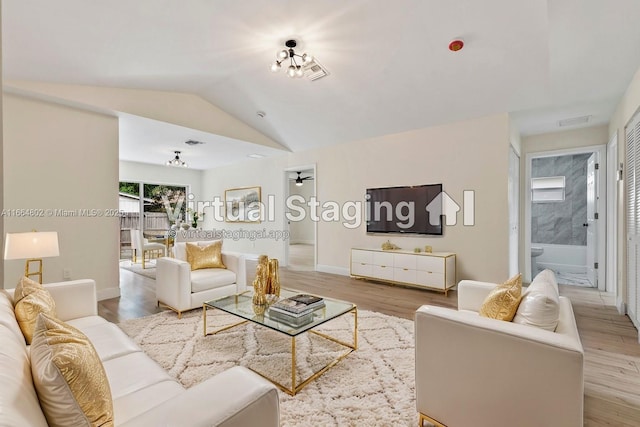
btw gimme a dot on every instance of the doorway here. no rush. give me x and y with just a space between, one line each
300 248
565 215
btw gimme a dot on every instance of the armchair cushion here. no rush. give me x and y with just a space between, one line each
540 305
209 278
502 302
205 257
180 248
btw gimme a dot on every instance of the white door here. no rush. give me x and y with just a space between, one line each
592 273
514 211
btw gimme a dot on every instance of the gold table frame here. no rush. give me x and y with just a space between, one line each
295 388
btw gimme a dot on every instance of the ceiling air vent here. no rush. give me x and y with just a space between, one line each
193 142
314 71
575 121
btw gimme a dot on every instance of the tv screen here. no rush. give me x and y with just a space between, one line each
404 210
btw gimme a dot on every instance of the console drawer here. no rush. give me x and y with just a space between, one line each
361 269
361 256
404 261
432 280
430 264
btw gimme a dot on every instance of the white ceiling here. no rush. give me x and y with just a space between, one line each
390 69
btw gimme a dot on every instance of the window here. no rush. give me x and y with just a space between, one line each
547 189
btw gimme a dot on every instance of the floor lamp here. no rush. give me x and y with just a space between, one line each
32 246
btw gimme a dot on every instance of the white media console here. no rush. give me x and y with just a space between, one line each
436 271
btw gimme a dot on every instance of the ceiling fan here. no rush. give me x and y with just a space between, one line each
299 179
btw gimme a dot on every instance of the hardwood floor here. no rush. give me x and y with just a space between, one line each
612 351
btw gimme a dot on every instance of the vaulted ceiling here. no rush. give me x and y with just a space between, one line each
388 62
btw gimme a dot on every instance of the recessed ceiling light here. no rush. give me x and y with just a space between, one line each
255 155
193 142
261 114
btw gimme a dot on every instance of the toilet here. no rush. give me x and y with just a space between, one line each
536 251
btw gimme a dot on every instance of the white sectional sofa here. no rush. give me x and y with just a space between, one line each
181 289
476 371
143 393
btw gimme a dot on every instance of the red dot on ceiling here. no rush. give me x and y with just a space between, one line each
456 45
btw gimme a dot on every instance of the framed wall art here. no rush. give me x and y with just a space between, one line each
243 204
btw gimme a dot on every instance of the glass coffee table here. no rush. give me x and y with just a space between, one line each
241 306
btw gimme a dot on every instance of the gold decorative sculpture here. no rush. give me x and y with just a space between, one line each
260 282
273 283
388 246
267 281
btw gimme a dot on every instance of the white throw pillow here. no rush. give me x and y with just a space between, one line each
540 304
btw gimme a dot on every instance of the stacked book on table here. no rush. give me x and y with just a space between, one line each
296 310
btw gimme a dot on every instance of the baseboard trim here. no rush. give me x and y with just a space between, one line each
108 293
621 306
301 242
342 271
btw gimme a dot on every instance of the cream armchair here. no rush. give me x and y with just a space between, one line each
475 371
180 289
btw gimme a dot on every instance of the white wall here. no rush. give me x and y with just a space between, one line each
302 231
469 155
58 157
629 104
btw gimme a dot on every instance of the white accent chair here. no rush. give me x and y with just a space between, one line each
141 246
476 371
180 289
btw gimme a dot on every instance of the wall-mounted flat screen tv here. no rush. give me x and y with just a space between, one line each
404 210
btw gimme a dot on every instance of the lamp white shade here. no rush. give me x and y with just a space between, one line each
36 244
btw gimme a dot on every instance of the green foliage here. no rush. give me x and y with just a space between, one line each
130 188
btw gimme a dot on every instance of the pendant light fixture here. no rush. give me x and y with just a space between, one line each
294 69
176 161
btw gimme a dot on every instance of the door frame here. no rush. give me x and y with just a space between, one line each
285 222
514 207
601 151
613 180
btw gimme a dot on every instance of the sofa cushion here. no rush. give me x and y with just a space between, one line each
72 384
502 302
19 405
210 278
133 372
132 405
30 299
109 340
209 256
540 305
7 314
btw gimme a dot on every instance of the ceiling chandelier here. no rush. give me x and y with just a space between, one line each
176 161
294 69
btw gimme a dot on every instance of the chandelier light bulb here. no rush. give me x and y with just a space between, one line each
275 67
299 71
307 58
283 54
291 71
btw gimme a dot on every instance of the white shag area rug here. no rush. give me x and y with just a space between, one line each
372 386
